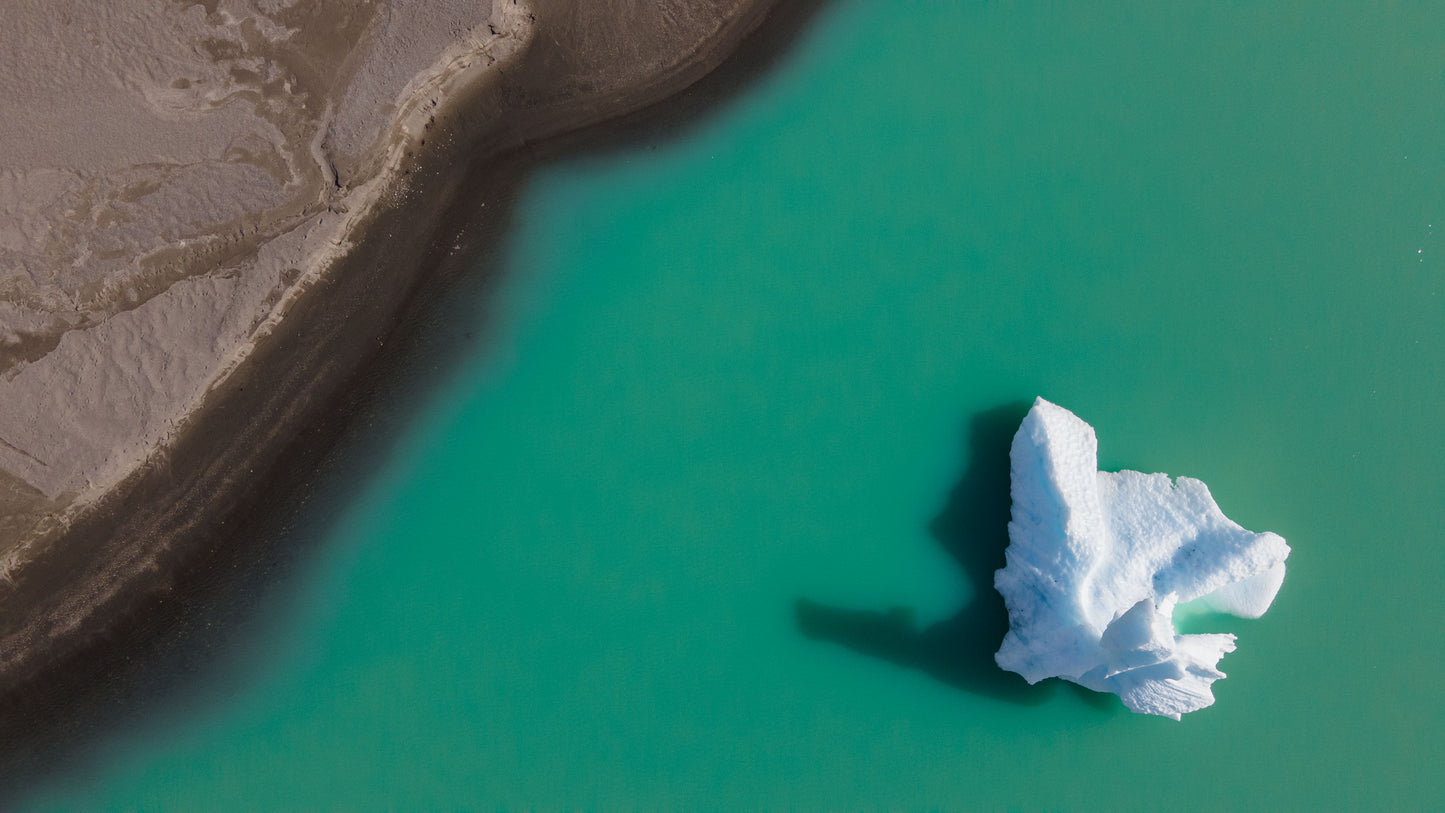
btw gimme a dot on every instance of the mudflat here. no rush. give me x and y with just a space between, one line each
211 215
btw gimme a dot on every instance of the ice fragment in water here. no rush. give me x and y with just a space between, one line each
1097 561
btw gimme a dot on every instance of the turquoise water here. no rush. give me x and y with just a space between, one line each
748 367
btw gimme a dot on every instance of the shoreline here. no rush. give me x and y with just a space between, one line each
212 512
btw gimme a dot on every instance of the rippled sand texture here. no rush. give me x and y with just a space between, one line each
174 171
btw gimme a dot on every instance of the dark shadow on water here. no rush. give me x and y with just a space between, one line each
973 529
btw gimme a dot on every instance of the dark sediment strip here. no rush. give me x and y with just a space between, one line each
198 542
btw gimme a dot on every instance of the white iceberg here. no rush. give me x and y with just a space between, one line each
1097 561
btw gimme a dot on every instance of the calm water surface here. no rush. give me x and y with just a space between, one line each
752 366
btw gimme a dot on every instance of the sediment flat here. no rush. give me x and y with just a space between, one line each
159 373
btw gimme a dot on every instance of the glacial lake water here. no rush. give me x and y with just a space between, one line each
778 359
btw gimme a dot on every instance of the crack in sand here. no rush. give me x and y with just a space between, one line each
16 449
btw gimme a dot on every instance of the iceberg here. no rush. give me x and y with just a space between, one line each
1097 562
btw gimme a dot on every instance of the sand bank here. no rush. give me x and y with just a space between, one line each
228 209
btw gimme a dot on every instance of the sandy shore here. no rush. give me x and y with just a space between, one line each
173 492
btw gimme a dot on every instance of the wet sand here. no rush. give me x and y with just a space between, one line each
103 617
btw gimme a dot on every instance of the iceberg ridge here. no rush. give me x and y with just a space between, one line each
1097 561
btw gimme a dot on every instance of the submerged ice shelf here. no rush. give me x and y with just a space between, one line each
1097 561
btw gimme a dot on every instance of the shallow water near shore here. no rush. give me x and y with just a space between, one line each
778 361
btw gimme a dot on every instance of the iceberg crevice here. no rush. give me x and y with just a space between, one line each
1097 561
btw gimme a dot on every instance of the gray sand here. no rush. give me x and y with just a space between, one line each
177 178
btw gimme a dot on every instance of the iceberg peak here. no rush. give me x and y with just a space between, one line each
1097 561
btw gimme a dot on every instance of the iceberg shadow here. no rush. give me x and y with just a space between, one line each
973 528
